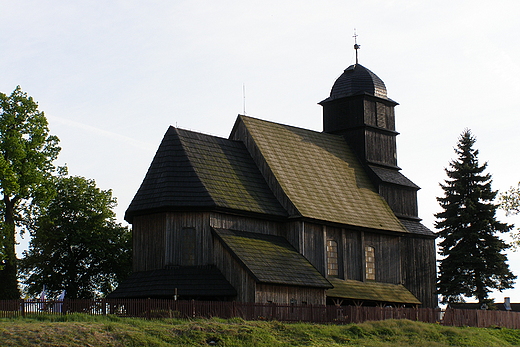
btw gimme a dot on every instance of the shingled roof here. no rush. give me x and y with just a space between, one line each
187 281
198 171
319 174
358 80
371 291
271 259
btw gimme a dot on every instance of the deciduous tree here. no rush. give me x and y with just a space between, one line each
77 244
510 203
27 152
473 260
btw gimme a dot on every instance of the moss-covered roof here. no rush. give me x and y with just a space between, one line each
320 175
192 170
371 291
271 259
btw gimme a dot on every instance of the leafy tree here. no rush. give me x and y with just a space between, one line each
510 203
510 200
473 262
77 244
26 155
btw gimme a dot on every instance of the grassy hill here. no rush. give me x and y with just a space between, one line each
84 330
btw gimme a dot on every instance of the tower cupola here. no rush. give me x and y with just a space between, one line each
358 80
359 109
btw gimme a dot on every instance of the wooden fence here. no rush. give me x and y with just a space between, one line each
481 318
155 308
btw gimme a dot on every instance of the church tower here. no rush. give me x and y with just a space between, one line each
359 109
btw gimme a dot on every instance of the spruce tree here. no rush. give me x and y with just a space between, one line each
473 260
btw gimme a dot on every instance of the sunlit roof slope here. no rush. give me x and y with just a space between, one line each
319 174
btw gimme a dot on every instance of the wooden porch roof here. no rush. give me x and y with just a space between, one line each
271 259
371 291
190 281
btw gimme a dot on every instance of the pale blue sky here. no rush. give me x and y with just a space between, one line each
111 76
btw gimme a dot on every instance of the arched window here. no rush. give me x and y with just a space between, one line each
332 258
370 263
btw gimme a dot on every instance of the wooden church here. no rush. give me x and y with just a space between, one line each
282 214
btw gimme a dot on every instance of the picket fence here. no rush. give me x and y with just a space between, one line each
157 308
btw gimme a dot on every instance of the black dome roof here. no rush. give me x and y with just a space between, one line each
357 80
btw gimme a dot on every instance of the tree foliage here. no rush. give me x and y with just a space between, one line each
27 152
510 202
77 244
474 262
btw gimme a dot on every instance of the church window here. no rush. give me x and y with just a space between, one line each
332 258
370 263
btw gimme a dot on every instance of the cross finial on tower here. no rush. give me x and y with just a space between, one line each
356 46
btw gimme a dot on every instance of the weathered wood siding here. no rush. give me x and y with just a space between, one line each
234 222
367 124
181 238
292 233
310 240
280 294
388 257
401 200
353 260
378 114
234 272
380 147
188 231
419 268
335 234
313 245
149 255
342 114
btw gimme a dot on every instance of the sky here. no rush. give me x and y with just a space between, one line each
113 75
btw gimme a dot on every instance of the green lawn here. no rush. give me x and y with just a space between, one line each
85 330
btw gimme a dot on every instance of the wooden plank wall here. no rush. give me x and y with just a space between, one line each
401 200
234 272
351 245
313 245
388 256
380 147
270 293
262 226
149 255
419 268
354 255
179 223
340 115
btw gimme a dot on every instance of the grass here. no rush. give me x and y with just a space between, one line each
86 330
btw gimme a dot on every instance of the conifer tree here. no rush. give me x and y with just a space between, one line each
473 260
